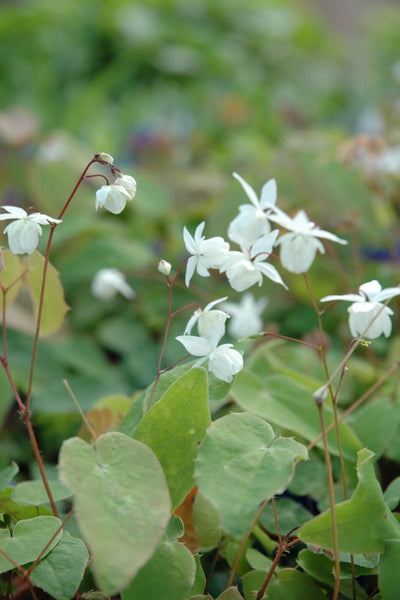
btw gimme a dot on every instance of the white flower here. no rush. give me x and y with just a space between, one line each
107 282
246 268
367 307
164 267
245 316
208 321
252 222
223 361
298 248
112 197
104 157
206 254
23 234
127 182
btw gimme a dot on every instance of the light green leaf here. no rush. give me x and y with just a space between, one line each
206 522
257 560
392 494
173 429
175 529
121 501
288 404
389 583
28 540
169 574
252 582
13 268
61 571
54 306
364 522
231 593
292 584
199 580
241 463
7 474
375 423
290 514
34 492
18 511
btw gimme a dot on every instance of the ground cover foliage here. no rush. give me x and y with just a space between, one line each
123 476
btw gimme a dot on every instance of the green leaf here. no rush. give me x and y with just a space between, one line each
206 522
175 529
28 540
241 463
319 567
54 306
199 580
392 494
18 511
375 423
252 582
121 501
257 560
290 405
13 268
231 593
34 492
364 522
290 514
169 574
61 571
389 571
173 429
289 583
7 474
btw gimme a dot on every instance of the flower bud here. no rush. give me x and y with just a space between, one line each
105 158
164 267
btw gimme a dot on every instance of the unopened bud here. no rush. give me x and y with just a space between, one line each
104 158
164 267
320 395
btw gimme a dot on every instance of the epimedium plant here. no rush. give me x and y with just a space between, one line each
212 458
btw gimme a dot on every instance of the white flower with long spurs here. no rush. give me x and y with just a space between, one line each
206 254
107 282
245 316
252 221
368 317
298 248
23 234
246 268
223 361
209 320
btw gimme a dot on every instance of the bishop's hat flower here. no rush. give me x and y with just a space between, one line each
128 182
223 361
246 268
206 254
298 248
368 317
107 282
208 321
245 316
112 197
23 234
252 222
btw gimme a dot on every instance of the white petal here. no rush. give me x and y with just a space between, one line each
224 362
370 289
192 322
14 212
42 219
211 305
268 194
270 272
190 268
196 346
264 245
29 236
326 235
298 252
346 297
250 224
199 232
189 241
387 293
252 196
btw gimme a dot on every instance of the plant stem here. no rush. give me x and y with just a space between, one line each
282 548
67 518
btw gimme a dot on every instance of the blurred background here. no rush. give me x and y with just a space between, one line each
181 94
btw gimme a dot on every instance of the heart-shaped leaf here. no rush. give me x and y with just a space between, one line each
29 538
121 500
34 492
240 463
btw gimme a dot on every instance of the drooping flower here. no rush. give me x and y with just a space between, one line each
245 316
368 317
252 222
206 254
128 182
246 268
299 247
113 198
23 234
107 282
209 321
223 361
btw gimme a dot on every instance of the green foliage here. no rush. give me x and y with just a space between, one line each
173 429
29 538
34 492
254 464
122 512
